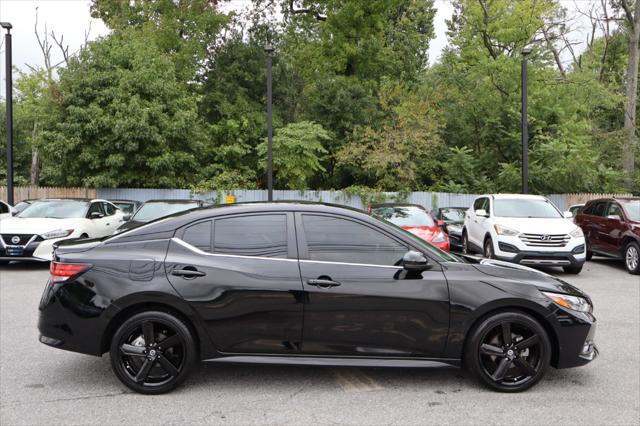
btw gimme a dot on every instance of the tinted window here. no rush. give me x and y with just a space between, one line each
4 208
109 209
95 207
262 235
339 240
479 204
199 235
599 209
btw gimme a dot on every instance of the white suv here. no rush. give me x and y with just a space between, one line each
525 229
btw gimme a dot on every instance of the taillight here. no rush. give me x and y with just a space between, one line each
64 271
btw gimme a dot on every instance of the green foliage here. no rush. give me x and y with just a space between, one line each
297 154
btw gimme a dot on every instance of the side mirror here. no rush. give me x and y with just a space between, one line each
568 215
614 217
126 217
482 212
96 215
415 262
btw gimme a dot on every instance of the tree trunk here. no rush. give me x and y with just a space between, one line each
629 148
35 167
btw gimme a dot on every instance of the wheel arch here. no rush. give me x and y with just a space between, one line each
626 240
539 317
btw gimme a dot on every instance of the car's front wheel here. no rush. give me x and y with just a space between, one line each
488 249
152 352
465 243
508 351
632 258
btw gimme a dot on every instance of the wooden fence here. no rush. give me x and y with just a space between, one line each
34 192
572 199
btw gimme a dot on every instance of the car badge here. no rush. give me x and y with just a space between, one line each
545 237
15 239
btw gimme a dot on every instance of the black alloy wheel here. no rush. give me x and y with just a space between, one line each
152 352
508 352
488 249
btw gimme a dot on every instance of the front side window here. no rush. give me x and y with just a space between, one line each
504 207
109 209
95 208
199 235
56 209
333 239
600 209
479 204
259 235
615 209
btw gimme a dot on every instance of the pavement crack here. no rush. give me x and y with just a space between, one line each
75 398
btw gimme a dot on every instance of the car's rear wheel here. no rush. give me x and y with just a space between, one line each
572 269
632 258
152 352
488 249
508 351
465 243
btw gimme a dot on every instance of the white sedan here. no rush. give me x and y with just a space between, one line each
32 233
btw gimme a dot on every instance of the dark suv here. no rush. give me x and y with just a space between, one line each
612 228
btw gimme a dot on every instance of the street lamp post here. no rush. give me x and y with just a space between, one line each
525 123
9 102
269 50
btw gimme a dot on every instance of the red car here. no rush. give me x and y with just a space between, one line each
611 228
415 219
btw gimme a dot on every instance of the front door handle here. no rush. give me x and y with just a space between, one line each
323 283
188 272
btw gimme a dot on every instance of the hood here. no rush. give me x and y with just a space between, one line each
427 233
36 225
532 225
525 275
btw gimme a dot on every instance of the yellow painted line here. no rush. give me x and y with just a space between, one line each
351 380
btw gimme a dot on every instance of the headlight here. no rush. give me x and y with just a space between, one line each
577 233
58 233
439 238
574 303
454 228
503 230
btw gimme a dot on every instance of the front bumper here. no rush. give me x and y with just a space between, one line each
541 258
513 249
576 338
38 250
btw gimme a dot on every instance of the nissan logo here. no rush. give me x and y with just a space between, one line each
15 239
545 237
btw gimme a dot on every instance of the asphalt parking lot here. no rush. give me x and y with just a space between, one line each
42 385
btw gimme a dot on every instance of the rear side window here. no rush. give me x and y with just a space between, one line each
199 235
333 239
259 235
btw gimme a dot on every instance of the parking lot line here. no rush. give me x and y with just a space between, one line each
351 380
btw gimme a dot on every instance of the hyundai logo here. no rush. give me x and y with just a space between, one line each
15 239
545 237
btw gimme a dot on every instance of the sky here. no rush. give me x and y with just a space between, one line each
71 18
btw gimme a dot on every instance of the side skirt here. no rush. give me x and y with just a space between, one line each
337 361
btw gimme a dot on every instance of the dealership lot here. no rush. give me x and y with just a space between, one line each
41 385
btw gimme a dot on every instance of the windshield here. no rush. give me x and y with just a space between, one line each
404 216
632 208
21 206
455 215
155 210
127 208
525 208
55 209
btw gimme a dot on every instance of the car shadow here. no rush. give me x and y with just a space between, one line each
25 265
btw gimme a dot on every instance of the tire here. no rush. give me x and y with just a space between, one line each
503 364
488 249
632 258
589 254
83 236
465 243
572 269
152 368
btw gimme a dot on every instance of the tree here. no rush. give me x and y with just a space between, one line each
126 119
297 154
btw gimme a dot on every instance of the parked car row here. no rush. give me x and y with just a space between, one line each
31 230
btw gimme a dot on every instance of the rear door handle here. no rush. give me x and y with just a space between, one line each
188 273
323 283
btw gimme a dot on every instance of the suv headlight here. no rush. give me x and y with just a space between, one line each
58 233
439 238
574 303
577 233
503 230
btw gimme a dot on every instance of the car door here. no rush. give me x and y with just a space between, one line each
114 216
240 274
596 226
611 236
477 231
98 225
360 302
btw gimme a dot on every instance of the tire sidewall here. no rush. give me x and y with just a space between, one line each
635 271
472 353
488 243
128 326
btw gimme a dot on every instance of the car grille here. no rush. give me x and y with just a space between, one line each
24 239
545 240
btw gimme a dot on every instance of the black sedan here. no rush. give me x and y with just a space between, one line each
303 283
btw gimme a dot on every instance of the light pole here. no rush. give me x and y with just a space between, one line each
269 50
9 102
525 123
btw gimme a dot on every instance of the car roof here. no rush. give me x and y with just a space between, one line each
167 225
376 205
124 201
175 200
514 196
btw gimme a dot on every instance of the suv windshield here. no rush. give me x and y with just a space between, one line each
525 208
155 210
632 208
404 215
56 209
